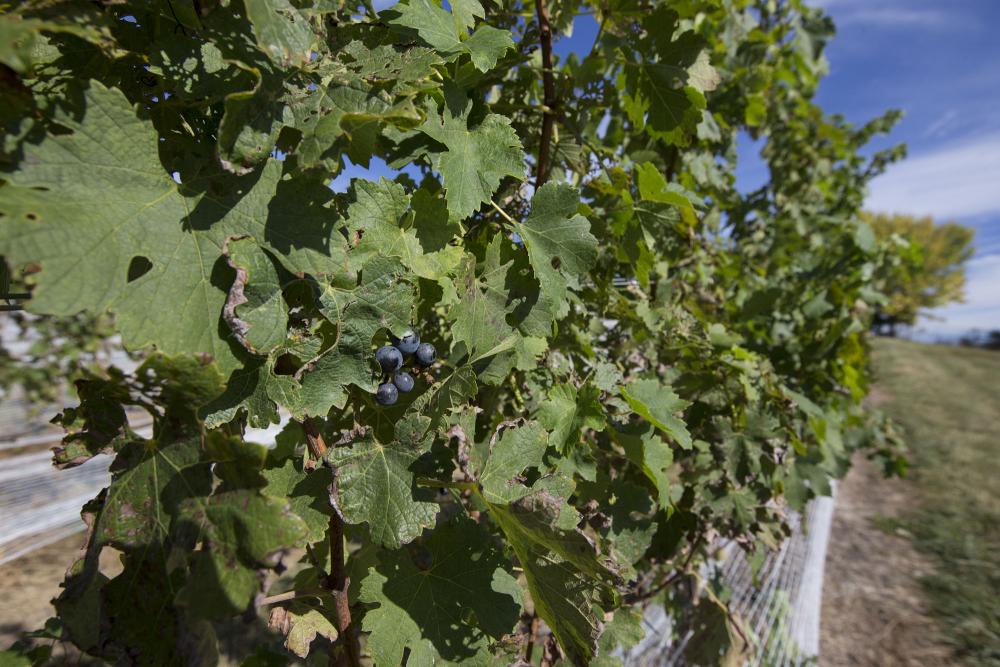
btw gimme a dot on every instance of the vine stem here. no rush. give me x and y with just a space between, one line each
532 636
550 101
663 585
503 213
338 581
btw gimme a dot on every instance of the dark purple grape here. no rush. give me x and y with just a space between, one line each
426 354
389 358
403 381
408 342
387 394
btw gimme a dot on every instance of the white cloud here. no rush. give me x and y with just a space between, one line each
944 122
958 181
894 18
887 14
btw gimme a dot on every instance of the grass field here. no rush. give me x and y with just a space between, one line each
948 401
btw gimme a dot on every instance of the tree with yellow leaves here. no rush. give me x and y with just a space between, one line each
929 271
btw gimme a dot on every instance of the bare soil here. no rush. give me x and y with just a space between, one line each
29 583
874 611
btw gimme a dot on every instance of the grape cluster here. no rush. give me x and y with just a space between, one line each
390 359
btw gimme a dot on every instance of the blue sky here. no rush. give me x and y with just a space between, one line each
938 61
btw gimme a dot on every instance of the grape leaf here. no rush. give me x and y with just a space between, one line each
560 245
307 492
246 391
150 479
241 531
569 410
251 123
400 67
381 300
465 12
255 309
352 111
301 624
657 403
650 454
283 33
376 486
502 460
444 599
480 315
477 158
631 529
70 209
569 584
443 32
623 632
379 216
663 87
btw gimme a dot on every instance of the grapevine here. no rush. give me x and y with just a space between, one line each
529 380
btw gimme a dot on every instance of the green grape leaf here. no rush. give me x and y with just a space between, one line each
241 531
374 217
380 217
429 410
445 599
150 479
486 46
251 123
307 493
569 583
631 529
20 37
98 425
465 13
86 203
480 315
282 31
255 309
623 632
663 89
501 462
477 158
352 112
647 451
376 486
560 245
401 67
568 411
657 403
443 31
246 392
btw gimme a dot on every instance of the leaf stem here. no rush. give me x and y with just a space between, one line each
438 484
292 595
503 213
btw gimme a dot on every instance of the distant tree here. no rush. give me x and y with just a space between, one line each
989 340
929 272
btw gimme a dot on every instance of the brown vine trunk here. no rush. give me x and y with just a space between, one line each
550 101
337 582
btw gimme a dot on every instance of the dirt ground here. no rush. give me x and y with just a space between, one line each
874 612
29 583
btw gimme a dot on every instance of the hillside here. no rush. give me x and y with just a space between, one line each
914 569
